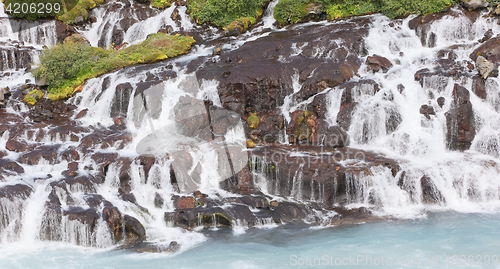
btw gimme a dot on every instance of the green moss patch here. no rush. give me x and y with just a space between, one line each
32 97
222 13
161 3
66 66
81 9
253 121
293 11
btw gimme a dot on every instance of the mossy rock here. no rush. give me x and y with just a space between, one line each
239 26
303 126
161 4
250 144
253 121
32 97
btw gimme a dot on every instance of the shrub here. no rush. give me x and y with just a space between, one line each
403 8
221 13
290 11
340 9
66 66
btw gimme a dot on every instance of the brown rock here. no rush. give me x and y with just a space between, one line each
185 202
377 63
119 121
82 113
460 123
16 146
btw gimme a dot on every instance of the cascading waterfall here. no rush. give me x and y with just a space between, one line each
133 27
463 182
429 174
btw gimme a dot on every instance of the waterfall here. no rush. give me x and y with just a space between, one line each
153 134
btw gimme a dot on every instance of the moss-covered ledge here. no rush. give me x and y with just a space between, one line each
234 16
294 11
65 67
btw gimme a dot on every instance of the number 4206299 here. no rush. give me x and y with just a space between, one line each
33 8
471 260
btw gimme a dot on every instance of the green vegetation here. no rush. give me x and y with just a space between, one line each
67 11
161 3
67 66
403 8
290 11
293 11
222 13
253 121
32 97
81 9
240 24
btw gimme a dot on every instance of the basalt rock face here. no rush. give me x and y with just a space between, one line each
460 123
317 174
15 55
258 76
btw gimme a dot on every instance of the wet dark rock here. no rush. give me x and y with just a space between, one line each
120 121
487 36
427 110
489 50
318 168
305 128
430 193
152 248
269 129
289 212
48 153
87 216
378 63
17 191
185 202
51 111
120 103
106 138
159 201
70 155
441 101
257 76
302 127
113 218
16 146
460 123
134 230
14 56
175 15
69 173
207 216
82 113
345 114
241 183
479 87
